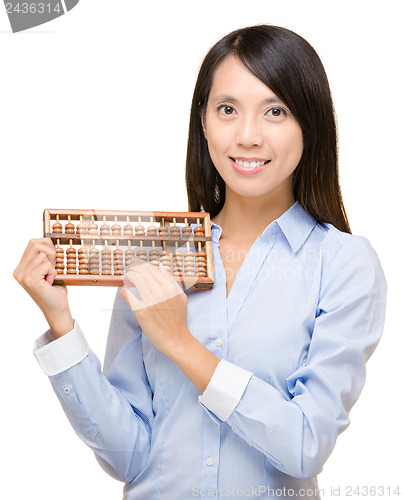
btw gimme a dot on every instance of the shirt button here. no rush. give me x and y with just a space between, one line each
210 461
66 390
218 342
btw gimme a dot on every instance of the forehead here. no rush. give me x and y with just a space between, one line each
232 79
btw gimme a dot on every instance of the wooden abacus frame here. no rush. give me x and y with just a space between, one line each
162 218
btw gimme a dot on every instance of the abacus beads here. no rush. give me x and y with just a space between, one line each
82 227
90 261
59 259
186 231
128 228
93 261
71 259
152 230
200 262
164 230
92 227
129 254
141 253
199 230
189 262
154 255
139 230
83 258
105 228
106 257
116 229
57 227
177 262
69 228
118 261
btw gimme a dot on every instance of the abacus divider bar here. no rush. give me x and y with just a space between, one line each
100 239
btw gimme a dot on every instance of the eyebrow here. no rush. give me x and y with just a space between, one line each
270 100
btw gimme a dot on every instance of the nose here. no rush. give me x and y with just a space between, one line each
249 132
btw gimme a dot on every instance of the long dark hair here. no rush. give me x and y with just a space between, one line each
291 68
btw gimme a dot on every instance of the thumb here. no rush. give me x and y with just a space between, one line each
131 299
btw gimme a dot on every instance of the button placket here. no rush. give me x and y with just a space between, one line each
218 313
248 272
218 342
210 453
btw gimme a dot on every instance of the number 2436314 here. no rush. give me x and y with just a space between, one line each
33 8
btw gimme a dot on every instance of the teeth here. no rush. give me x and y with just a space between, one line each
250 164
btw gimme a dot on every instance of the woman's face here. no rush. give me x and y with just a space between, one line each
254 141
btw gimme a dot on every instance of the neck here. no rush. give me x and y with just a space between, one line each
243 219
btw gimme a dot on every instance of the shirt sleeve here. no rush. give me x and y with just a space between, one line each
55 356
298 433
113 418
225 389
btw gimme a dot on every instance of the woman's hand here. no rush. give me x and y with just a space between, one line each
36 273
161 310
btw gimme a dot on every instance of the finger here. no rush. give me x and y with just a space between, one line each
131 299
46 242
157 276
50 275
148 275
140 266
167 285
38 273
176 284
152 291
137 279
37 260
34 248
189 281
46 272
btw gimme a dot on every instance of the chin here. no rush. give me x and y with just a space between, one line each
251 193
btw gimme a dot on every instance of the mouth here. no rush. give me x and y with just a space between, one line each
252 165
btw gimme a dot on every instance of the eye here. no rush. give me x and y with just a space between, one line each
276 112
226 110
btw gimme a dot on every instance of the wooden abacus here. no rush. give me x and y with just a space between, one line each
185 251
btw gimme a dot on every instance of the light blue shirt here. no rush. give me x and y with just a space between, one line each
304 314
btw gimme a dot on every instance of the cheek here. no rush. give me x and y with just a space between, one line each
290 146
298 146
217 138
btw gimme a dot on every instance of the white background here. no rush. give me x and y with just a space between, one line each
94 114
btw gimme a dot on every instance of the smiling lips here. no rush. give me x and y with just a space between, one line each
251 166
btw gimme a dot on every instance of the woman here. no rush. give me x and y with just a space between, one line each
240 390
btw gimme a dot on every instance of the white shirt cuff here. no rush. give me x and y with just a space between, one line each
225 389
56 356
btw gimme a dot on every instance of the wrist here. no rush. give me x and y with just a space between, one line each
196 361
60 323
180 346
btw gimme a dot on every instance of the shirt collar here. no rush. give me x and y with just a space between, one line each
296 225
216 232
